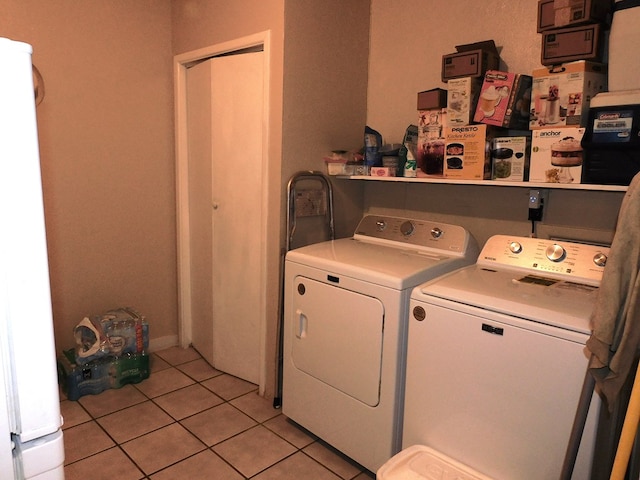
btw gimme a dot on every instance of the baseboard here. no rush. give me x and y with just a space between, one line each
161 343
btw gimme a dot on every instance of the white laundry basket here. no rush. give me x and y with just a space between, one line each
423 463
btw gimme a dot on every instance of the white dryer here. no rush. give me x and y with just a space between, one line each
496 358
345 314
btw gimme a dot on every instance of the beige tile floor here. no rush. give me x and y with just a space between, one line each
190 421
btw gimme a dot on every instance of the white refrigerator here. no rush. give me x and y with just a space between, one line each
31 443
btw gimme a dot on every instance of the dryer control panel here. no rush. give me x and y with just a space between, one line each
578 262
421 235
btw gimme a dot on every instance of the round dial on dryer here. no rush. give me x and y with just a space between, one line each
556 253
436 232
407 228
600 259
515 247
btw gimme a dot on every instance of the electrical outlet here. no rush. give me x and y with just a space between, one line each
535 205
535 199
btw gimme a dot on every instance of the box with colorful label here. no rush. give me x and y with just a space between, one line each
462 98
504 100
430 149
508 158
556 155
562 93
465 152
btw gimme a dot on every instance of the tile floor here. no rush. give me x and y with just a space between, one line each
190 421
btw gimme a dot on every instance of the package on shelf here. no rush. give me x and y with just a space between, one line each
430 148
562 93
465 152
504 100
556 155
462 99
117 332
554 14
509 158
564 45
471 60
100 374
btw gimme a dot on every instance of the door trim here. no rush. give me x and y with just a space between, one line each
181 63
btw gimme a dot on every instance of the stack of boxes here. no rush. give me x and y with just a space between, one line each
507 126
571 52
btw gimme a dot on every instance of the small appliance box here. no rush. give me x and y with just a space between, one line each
562 93
504 100
556 155
462 98
465 153
429 154
508 158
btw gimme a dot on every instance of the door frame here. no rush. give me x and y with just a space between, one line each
181 63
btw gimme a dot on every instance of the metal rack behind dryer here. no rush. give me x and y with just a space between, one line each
309 220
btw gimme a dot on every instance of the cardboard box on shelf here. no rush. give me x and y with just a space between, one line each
509 158
570 44
471 60
430 99
504 100
556 155
562 93
465 152
462 98
563 13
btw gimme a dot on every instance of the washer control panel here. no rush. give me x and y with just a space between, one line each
421 235
572 261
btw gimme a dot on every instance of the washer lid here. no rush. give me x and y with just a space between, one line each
531 296
392 267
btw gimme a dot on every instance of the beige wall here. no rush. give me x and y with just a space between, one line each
106 139
408 39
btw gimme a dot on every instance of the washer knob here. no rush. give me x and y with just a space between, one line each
436 232
556 253
515 247
381 225
600 259
407 228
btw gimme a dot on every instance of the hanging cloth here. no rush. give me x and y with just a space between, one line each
615 320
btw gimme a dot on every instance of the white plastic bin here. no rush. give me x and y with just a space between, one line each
423 463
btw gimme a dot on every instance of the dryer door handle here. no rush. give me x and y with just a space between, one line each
302 324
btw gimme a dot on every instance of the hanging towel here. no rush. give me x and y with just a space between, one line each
615 320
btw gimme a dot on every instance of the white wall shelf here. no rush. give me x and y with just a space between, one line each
451 181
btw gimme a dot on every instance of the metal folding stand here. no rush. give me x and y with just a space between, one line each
309 220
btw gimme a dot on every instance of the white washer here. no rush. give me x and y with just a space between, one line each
345 313
496 358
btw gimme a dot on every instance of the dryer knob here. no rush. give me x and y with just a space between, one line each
436 232
407 228
555 253
515 247
600 259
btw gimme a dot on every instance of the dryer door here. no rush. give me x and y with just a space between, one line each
337 338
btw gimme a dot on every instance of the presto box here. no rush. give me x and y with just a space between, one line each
556 155
562 93
465 152
504 100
